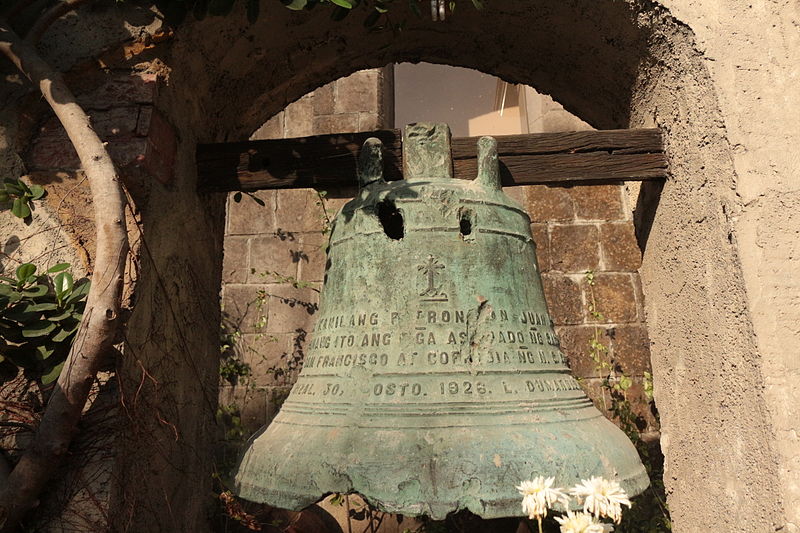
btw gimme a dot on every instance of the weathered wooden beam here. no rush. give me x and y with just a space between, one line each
329 161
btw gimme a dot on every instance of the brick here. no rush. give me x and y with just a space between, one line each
143 120
242 308
299 118
248 217
128 152
251 402
277 395
368 121
619 248
598 202
299 210
266 354
291 309
120 89
323 124
575 343
640 405
631 349
269 253
615 298
344 123
118 122
564 300
324 99
549 204
542 240
357 93
235 260
312 256
574 248
518 194
271 129
52 149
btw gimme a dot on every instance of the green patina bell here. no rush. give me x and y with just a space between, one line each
434 380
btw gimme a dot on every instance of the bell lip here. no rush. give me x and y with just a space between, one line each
634 484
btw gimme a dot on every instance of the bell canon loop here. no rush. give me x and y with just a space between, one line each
434 380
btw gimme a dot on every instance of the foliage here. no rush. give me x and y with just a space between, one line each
20 195
649 513
39 317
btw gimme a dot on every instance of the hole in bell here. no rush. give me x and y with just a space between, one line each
391 219
465 225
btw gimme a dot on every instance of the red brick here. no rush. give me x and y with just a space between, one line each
120 89
143 121
549 204
235 260
564 301
269 253
598 202
291 309
357 93
127 152
542 240
251 402
619 247
52 149
267 354
574 248
118 122
615 298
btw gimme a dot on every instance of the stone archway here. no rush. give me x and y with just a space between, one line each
614 64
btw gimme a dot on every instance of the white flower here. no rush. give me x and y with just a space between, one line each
582 522
601 497
538 495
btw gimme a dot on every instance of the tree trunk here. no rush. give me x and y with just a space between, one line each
101 318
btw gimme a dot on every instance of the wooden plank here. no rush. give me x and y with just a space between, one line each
329 161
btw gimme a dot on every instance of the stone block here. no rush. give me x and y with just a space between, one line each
549 204
298 211
120 89
619 248
269 358
576 345
357 93
242 307
128 152
248 217
323 99
291 310
299 118
564 299
116 123
52 149
235 260
312 256
323 124
642 408
574 248
270 254
615 298
271 129
598 202
251 403
541 238
631 349
368 121
344 123
143 120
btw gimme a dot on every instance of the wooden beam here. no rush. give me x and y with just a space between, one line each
329 161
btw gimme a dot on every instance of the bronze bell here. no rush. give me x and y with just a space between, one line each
434 380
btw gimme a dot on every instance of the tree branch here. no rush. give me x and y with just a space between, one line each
98 329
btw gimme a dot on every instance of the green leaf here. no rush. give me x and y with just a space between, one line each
4 196
36 291
20 208
58 268
25 270
343 3
339 13
53 374
372 18
62 335
25 189
38 329
45 351
79 292
296 5
60 316
37 192
63 284
45 306
13 187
